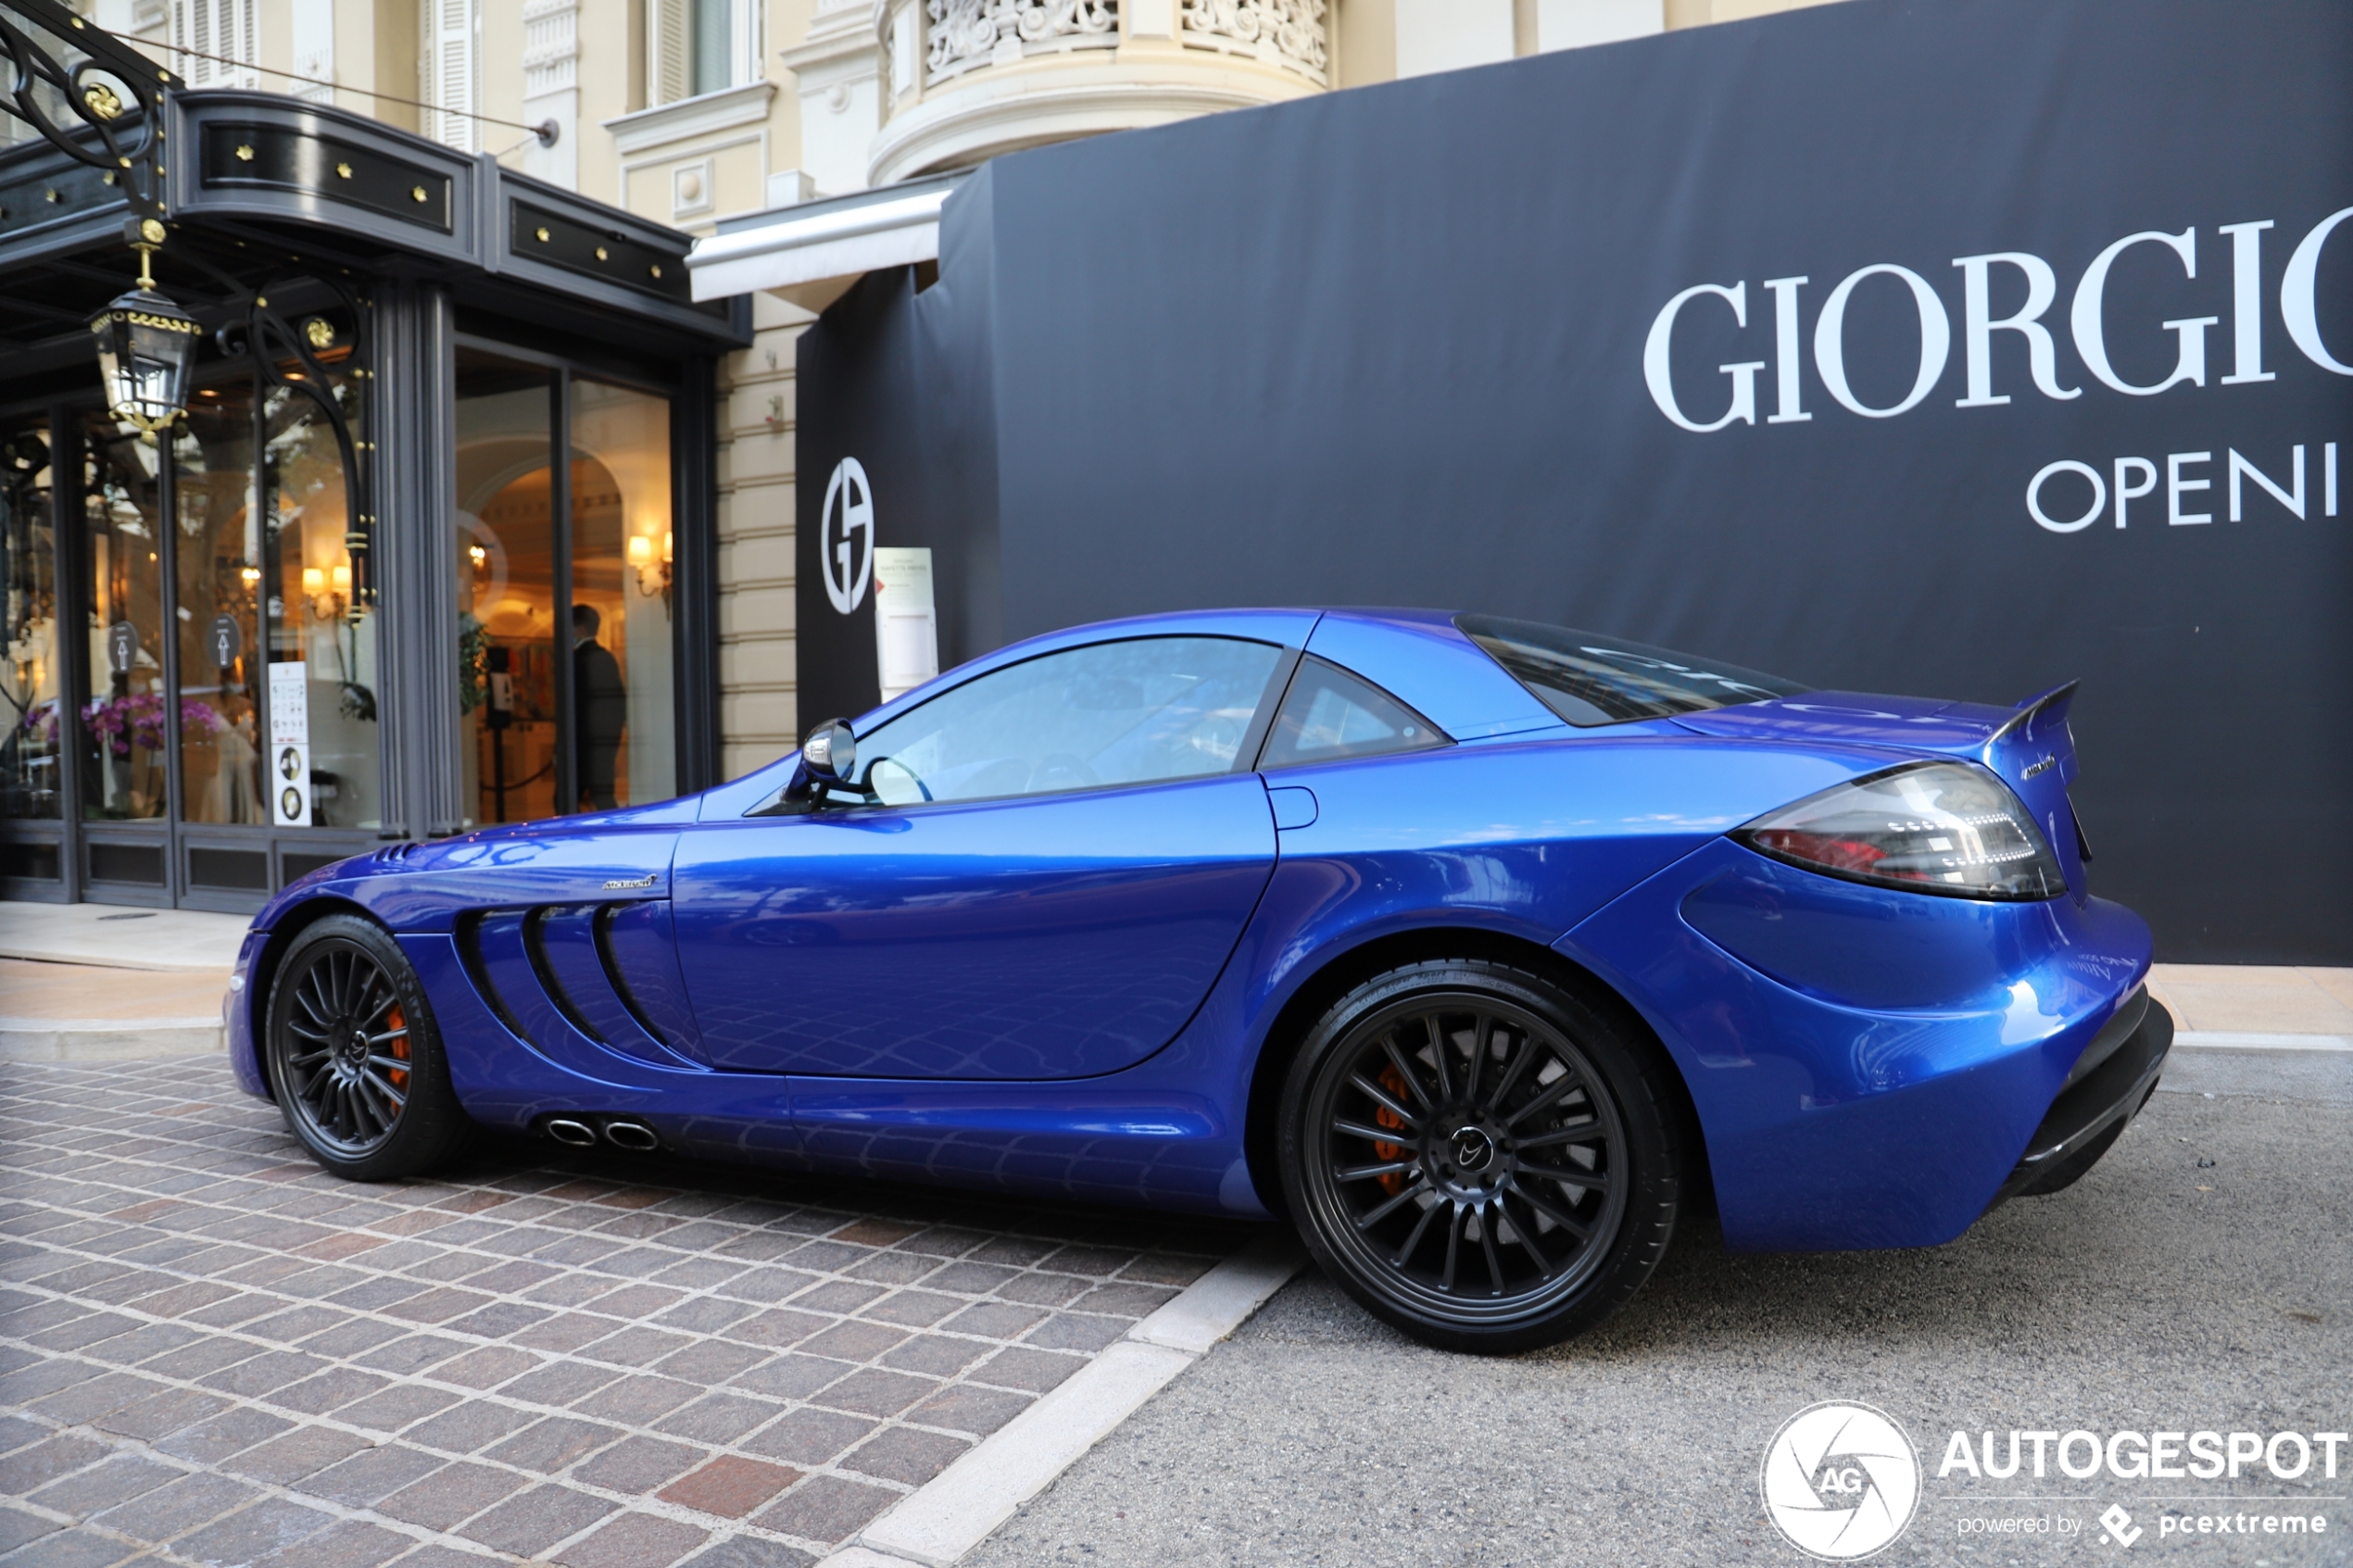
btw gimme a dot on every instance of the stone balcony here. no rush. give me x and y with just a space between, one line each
961 80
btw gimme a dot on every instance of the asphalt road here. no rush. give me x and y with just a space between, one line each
2160 1293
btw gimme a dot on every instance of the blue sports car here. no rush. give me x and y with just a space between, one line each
1476 948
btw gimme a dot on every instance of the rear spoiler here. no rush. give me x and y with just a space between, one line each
2036 713
2035 740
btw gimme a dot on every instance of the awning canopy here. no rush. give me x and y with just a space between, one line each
812 253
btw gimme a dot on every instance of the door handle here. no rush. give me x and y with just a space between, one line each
1294 806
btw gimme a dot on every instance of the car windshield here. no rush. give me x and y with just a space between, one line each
1589 678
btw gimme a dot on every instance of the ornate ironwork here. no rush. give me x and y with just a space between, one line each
105 109
287 356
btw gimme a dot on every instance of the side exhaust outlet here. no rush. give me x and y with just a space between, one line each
564 1129
636 1136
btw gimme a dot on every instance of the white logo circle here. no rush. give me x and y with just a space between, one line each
1840 1481
847 561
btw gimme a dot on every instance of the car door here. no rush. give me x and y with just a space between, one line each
1043 872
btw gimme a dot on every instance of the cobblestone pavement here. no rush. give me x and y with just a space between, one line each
213 1352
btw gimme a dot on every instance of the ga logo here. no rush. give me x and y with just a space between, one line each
1840 1480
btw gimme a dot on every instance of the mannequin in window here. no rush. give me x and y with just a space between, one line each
600 708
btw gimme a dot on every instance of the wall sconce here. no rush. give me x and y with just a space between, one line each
652 577
326 606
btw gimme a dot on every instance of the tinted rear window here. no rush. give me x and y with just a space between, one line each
1588 679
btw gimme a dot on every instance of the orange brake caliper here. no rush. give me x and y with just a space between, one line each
1394 1181
393 1020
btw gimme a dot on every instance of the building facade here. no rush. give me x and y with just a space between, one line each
477 493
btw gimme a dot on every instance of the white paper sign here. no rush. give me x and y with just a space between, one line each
287 771
906 631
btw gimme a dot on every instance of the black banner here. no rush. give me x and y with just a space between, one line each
1942 346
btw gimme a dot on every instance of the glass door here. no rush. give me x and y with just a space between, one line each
565 642
125 762
32 784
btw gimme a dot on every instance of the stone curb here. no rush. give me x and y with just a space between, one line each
2195 1040
959 1506
108 1039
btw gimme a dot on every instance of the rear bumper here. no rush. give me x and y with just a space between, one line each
2114 1079
1868 1065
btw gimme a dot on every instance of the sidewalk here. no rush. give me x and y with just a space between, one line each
162 940
92 982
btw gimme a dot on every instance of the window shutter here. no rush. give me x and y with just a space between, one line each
450 69
228 29
672 47
248 49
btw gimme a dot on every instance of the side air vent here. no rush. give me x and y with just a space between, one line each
393 854
470 953
564 977
535 943
613 973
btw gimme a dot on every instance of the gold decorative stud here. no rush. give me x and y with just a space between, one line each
244 151
416 193
320 331
104 100
601 250
544 235
343 172
151 230
655 268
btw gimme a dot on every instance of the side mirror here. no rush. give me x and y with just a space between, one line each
829 757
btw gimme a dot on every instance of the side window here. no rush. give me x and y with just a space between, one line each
1139 711
1329 716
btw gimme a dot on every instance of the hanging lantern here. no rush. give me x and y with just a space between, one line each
146 348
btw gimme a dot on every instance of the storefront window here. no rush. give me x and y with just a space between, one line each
505 589
222 730
123 773
29 680
620 560
318 616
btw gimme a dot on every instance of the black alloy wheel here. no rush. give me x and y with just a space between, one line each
1478 1158
353 1058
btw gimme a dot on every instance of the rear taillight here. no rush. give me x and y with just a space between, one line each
1930 827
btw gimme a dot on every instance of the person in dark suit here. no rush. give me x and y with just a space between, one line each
599 709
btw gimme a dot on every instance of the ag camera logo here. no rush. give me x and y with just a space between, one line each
1840 1480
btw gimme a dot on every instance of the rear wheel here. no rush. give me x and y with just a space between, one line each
1477 1157
355 1061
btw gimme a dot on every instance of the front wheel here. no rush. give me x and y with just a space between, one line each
1478 1158
354 1058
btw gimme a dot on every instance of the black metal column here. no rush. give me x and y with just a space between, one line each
694 453
66 525
412 407
559 541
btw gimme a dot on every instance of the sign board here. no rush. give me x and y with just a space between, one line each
287 776
1959 348
906 630
224 639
